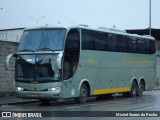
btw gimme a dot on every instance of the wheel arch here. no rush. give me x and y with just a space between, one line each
86 82
143 80
134 79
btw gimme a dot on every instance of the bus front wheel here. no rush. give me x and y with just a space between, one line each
83 94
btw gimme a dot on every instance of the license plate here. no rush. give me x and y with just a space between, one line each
35 95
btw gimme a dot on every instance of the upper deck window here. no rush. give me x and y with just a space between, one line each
93 40
42 39
133 45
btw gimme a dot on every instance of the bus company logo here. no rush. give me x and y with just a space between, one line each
6 114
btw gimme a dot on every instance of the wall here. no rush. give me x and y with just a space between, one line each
11 35
9 40
7 84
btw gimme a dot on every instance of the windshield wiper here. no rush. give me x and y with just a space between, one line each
45 49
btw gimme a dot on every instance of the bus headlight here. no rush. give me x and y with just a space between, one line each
19 88
56 89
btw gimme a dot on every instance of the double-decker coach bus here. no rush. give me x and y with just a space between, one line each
78 61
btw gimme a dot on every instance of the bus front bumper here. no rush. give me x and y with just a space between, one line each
38 94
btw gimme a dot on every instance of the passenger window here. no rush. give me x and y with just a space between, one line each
100 41
112 42
93 40
123 43
147 46
141 46
132 45
87 40
152 47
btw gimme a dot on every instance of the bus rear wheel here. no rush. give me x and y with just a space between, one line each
134 89
83 94
133 92
141 88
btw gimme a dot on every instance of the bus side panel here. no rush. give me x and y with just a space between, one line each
110 72
120 69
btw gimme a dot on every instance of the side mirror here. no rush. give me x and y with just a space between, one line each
59 60
7 63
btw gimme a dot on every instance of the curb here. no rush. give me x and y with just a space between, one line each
156 88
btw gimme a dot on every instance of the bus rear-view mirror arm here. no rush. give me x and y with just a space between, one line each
7 63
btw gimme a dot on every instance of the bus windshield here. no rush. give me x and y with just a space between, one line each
39 68
42 39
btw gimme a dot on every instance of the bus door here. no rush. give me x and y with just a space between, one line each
70 64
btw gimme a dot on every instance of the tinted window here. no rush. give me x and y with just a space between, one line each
152 47
93 40
112 42
71 53
123 43
132 45
72 41
100 41
141 45
87 40
147 46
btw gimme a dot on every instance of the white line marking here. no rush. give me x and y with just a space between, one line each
146 108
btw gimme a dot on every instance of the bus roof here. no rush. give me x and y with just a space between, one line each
100 29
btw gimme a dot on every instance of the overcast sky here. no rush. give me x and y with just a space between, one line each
124 14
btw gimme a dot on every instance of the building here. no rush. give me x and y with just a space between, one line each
11 35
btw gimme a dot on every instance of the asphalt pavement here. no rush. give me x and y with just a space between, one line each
12 100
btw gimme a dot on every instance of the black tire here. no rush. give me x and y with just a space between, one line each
133 92
83 94
134 89
141 88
